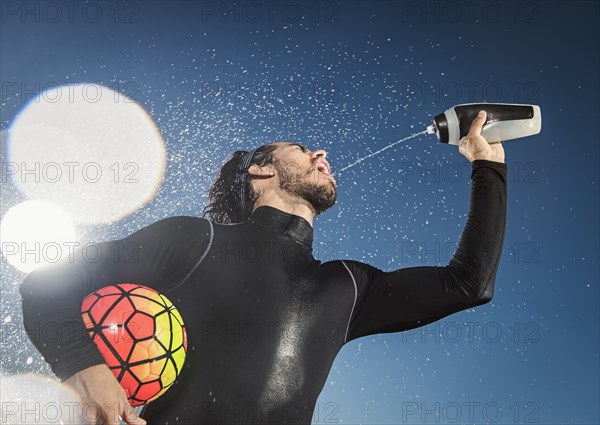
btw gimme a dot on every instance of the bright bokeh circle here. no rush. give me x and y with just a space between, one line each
35 233
87 148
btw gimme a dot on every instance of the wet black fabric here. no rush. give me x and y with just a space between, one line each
264 319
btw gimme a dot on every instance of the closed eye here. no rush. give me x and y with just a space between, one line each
299 146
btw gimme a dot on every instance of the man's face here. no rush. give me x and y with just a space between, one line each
305 174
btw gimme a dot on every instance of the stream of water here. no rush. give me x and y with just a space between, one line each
412 136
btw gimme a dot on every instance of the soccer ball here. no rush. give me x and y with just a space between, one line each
141 336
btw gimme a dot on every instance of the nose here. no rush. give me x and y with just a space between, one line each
319 152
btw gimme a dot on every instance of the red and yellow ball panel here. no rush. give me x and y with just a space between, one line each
141 336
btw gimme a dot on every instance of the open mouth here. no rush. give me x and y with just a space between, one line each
324 169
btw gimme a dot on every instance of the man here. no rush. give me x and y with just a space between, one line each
265 320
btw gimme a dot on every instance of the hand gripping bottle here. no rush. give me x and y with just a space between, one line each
505 121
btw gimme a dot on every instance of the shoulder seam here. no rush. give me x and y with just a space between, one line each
354 304
210 241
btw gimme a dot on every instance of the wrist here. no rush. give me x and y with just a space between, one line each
496 160
486 163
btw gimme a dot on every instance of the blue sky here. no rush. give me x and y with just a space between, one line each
351 77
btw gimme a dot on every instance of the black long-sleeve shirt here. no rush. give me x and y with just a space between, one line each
264 319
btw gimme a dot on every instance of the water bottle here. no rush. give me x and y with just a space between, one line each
505 121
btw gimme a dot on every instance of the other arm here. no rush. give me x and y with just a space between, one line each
157 256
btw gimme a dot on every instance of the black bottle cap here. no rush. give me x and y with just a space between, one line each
442 126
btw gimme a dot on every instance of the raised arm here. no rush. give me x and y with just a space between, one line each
415 296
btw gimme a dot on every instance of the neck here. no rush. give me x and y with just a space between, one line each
291 206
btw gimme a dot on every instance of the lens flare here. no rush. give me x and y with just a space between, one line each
89 149
36 233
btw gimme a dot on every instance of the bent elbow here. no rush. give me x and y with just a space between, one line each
484 299
485 296
477 288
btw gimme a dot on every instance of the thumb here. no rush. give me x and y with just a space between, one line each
477 125
130 417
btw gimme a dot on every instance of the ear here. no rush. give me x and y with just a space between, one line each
258 171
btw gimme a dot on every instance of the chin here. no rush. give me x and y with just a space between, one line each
319 192
322 197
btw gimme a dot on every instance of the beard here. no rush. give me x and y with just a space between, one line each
292 180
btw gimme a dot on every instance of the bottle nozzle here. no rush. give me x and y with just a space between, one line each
432 129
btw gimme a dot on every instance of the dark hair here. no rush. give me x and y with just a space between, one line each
224 202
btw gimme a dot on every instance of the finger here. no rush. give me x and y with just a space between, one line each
477 125
130 417
106 418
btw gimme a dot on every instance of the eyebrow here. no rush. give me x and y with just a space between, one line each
304 148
